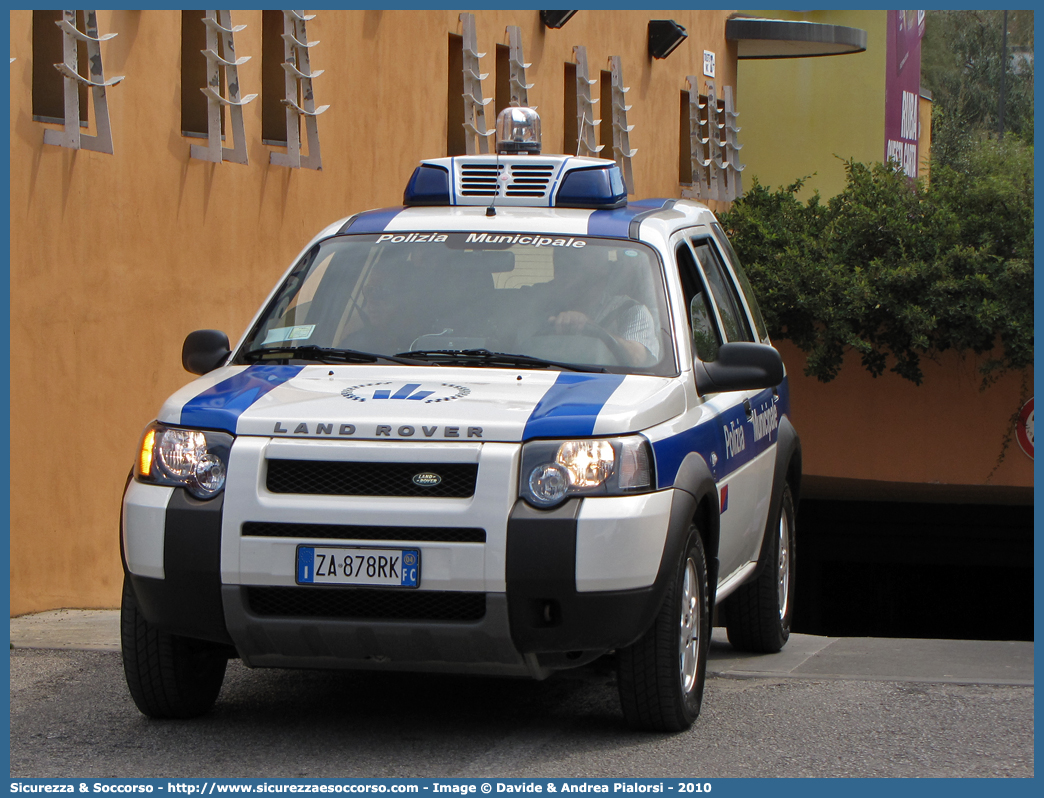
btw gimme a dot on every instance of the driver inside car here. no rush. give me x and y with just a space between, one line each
598 305
388 314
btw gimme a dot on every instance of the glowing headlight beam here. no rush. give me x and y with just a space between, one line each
588 463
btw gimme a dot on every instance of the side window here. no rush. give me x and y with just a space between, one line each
723 293
744 283
706 339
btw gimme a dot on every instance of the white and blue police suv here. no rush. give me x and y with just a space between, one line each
514 425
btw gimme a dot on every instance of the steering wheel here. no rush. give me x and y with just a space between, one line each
616 349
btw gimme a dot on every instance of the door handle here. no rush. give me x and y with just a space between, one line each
747 409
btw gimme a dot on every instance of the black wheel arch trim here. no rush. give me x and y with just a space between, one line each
694 478
787 470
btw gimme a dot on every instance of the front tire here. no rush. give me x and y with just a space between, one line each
759 613
168 676
661 676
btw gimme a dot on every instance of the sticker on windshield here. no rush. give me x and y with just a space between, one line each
298 333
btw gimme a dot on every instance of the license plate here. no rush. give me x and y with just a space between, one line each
355 565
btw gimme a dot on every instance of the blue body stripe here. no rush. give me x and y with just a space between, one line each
373 221
710 437
670 452
221 405
571 406
617 222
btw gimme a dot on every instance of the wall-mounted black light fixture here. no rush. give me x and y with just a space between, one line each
664 36
555 19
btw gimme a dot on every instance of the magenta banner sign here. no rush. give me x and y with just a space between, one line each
903 88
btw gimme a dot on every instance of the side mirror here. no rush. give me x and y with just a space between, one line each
204 351
740 367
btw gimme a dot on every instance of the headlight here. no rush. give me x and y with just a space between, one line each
193 459
554 470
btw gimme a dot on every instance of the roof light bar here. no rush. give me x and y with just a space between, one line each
518 175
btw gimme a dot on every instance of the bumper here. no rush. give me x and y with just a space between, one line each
547 590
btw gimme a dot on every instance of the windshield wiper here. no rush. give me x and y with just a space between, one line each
484 357
323 354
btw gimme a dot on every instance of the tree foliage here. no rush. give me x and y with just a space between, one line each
897 270
961 63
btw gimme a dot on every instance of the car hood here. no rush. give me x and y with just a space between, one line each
421 403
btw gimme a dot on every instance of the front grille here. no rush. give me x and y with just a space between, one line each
366 604
336 478
267 529
524 180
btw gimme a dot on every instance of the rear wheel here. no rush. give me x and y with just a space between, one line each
168 676
759 613
661 675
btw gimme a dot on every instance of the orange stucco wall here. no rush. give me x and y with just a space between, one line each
114 258
944 432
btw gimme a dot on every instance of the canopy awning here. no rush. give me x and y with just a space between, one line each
779 38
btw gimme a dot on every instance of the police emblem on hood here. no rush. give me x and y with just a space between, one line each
427 393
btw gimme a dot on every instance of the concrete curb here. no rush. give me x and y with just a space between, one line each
804 657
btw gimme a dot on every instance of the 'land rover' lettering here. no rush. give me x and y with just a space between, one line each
379 430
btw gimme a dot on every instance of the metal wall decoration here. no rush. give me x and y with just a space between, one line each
585 114
734 181
219 29
622 152
714 127
713 146
299 100
476 134
71 136
699 140
517 70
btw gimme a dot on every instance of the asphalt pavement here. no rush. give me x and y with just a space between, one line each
821 707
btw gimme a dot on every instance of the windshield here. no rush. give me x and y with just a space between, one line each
565 300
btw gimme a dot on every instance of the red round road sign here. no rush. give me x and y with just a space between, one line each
1024 429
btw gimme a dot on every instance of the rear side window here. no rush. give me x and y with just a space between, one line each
723 293
744 283
706 340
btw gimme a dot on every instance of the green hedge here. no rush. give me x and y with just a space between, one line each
897 270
